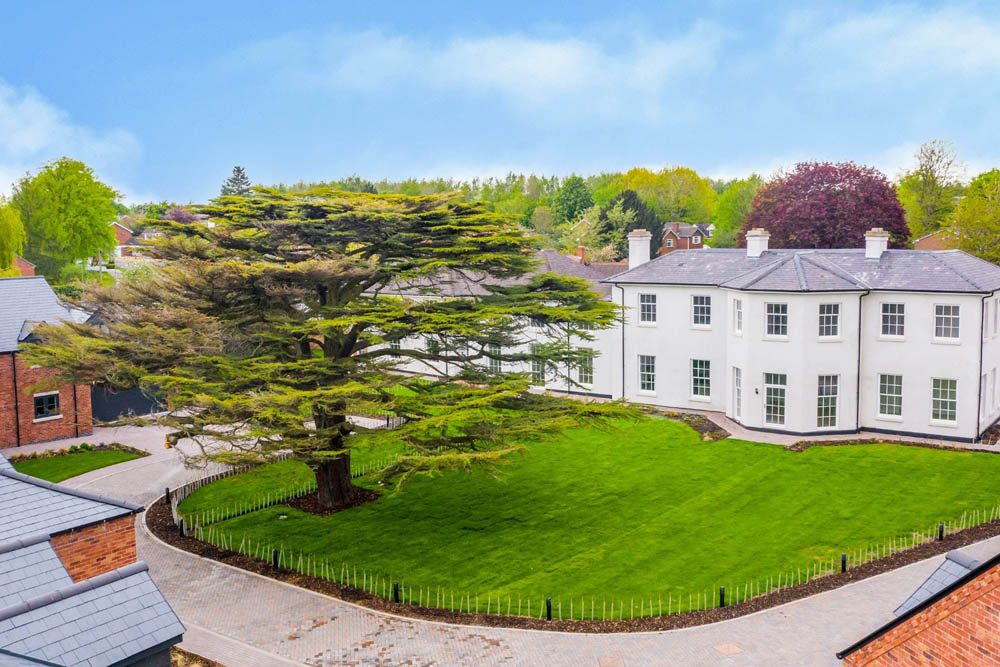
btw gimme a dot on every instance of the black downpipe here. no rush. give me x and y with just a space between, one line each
857 384
17 404
76 414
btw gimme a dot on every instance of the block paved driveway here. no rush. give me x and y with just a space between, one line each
241 619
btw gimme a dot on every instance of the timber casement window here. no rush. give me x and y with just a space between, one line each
890 395
47 405
777 319
774 398
946 322
829 320
893 319
701 311
827 392
701 377
647 308
944 400
647 372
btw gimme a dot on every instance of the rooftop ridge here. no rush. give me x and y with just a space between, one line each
23 542
13 474
957 271
765 271
72 590
799 273
817 259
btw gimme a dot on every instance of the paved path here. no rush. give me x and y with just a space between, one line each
242 619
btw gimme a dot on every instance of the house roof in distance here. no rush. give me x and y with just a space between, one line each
955 566
835 270
27 301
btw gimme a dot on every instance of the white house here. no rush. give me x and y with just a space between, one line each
814 341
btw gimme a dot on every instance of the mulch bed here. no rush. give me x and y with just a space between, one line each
803 445
708 429
181 658
310 502
160 522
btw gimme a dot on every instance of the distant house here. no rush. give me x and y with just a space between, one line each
682 236
942 239
71 591
953 618
29 414
23 266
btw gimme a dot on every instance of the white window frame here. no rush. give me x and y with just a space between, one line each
539 372
768 321
669 243
826 400
701 380
956 316
585 370
783 388
983 409
878 409
647 310
647 374
993 390
834 322
737 392
705 313
738 317
46 418
696 239
883 323
938 421
495 365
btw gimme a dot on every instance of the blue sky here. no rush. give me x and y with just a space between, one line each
164 100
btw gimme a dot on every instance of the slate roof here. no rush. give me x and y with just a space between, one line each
95 623
30 506
29 568
463 284
790 270
955 566
24 302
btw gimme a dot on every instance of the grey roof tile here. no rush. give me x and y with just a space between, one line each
26 301
955 566
29 571
100 639
820 270
31 506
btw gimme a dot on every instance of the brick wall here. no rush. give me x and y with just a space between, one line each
97 549
962 628
23 266
40 431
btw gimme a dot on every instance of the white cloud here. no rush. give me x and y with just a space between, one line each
34 131
568 77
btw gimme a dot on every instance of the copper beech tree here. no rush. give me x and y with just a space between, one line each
268 329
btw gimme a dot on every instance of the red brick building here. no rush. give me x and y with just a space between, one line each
682 236
942 239
29 410
23 266
957 624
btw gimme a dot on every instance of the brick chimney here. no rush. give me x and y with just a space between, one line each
876 242
581 252
757 242
638 247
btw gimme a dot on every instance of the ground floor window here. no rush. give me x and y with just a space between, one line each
46 405
647 372
826 401
701 377
537 366
494 350
944 400
890 395
774 398
585 370
395 346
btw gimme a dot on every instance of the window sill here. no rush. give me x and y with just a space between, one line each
944 424
645 392
889 418
46 419
946 341
700 399
829 339
776 339
892 339
646 324
701 327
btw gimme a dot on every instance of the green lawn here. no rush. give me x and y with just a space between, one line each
64 466
645 510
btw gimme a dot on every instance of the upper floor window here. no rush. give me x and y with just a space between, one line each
47 405
494 350
695 239
777 319
946 321
647 307
737 316
701 310
670 243
701 377
537 322
647 372
829 320
893 319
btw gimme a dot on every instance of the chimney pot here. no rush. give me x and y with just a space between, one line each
581 252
